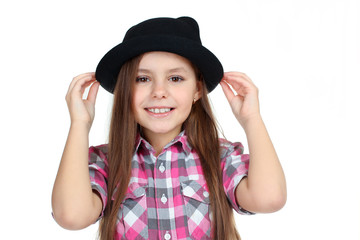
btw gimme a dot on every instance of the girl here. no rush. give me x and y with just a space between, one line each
165 173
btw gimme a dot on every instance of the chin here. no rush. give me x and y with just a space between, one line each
163 130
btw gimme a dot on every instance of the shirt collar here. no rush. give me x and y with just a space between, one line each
180 138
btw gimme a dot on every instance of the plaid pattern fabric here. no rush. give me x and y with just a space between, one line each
167 197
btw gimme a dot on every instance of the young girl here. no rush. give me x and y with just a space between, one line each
165 173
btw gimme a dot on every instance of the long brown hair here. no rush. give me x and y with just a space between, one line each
202 133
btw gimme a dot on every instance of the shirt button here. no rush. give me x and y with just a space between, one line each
163 199
206 194
162 168
167 236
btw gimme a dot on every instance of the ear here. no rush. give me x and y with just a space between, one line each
199 89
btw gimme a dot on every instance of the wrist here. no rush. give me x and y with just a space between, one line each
251 121
81 125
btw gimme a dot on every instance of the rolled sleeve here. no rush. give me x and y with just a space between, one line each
234 165
98 171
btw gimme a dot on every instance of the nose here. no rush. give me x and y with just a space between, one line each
159 89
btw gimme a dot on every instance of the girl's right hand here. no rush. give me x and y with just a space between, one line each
82 110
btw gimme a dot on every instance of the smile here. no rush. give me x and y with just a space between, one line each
159 110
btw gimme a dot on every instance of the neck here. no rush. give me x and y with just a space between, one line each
159 140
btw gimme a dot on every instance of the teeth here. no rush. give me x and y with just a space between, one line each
159 110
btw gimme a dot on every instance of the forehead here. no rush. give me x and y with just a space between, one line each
164 60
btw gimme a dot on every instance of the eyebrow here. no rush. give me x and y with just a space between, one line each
178 69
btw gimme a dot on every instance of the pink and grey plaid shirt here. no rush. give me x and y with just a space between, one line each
167 197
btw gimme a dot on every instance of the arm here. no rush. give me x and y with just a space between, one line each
74 204
264 190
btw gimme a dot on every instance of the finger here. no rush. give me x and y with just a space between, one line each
78 91
237 78
79 84
93 92
84 80
238 74
79 78
229 94
86 84
240 85
76 80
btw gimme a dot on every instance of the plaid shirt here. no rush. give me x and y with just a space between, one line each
167 197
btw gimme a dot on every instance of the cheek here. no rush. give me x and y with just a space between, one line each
136 103
137 97
186 102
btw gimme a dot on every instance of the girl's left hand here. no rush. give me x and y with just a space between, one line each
245 103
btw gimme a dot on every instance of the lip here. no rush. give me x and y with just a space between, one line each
159 115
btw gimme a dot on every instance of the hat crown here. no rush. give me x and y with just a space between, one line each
180 36
184 27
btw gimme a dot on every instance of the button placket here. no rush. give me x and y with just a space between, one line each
163 199
205 194
162 167
167 235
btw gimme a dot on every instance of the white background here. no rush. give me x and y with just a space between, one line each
303 55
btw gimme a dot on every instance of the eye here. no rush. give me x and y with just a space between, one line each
142 79
176 79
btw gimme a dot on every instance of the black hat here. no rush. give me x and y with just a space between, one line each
180 36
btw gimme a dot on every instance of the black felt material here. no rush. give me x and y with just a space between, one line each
180 36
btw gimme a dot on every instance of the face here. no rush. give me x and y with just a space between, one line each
164 92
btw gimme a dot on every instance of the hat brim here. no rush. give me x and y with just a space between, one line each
109 66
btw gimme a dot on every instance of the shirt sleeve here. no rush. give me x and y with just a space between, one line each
98 170
234 165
